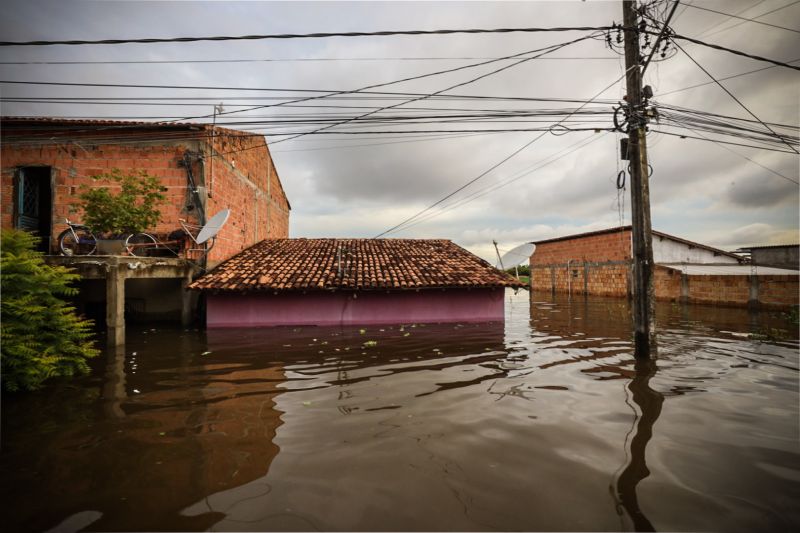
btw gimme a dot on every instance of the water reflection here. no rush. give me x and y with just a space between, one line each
175 428
649 403
522 426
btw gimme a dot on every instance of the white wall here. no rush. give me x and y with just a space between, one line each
669 251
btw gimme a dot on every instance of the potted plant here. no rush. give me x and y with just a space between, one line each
128 204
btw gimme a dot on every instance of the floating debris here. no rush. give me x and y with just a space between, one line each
369 344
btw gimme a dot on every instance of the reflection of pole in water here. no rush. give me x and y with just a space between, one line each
649 402
114 387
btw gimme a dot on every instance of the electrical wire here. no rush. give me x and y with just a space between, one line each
301 36
545 51
732 95
723 21
743 18
396 227
745 157
492 188
684 136
276 60
732 51
721 30
723 79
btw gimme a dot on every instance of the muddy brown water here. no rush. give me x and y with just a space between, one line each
545 422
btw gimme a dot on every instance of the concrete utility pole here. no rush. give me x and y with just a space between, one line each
643 291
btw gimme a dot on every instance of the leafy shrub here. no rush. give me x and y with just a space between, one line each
134 209
41 335
524 270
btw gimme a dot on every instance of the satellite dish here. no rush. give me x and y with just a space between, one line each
213 226
517 256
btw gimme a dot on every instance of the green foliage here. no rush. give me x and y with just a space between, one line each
793 315
134 209
41 335
524 270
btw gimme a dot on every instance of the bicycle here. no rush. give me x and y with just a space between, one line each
78 239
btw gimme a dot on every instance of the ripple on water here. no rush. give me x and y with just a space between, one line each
546 422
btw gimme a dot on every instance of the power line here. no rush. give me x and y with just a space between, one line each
732 51
411 78
723 21
375 95
723 79
490 169
734 97
277 60
755 17
547 50
743 18
302 36
745 157
684 136
491 188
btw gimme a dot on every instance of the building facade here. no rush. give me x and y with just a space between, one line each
46 163
599 263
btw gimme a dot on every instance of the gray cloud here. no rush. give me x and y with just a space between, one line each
699 190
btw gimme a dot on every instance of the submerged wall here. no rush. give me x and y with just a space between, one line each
613 279
348 308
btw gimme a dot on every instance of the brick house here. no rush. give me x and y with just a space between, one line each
46 161
353 281
599 262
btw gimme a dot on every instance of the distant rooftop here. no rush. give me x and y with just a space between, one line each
353 264
745 249
628 228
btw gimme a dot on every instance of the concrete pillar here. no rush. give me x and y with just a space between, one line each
684 288
753 297
114 393
585 279
186 300
115 305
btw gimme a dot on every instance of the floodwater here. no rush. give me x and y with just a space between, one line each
545 422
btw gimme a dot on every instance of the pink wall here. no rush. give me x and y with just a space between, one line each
340 308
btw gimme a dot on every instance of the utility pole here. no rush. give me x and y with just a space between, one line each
643 291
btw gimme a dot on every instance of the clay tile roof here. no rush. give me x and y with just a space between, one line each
353 264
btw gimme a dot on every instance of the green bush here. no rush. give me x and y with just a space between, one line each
41 335
134 209
524 270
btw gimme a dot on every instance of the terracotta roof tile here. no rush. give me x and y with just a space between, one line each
353 264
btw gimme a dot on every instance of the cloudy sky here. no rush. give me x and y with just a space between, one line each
348 185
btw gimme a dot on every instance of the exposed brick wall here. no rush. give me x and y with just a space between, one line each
779 291
614 246
728 290
667 283
244 181
608 279
613 280
73 168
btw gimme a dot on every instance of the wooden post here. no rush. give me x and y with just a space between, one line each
643 291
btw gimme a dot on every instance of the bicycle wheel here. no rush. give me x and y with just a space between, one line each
78 241
140 244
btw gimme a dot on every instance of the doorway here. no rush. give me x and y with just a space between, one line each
33 202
